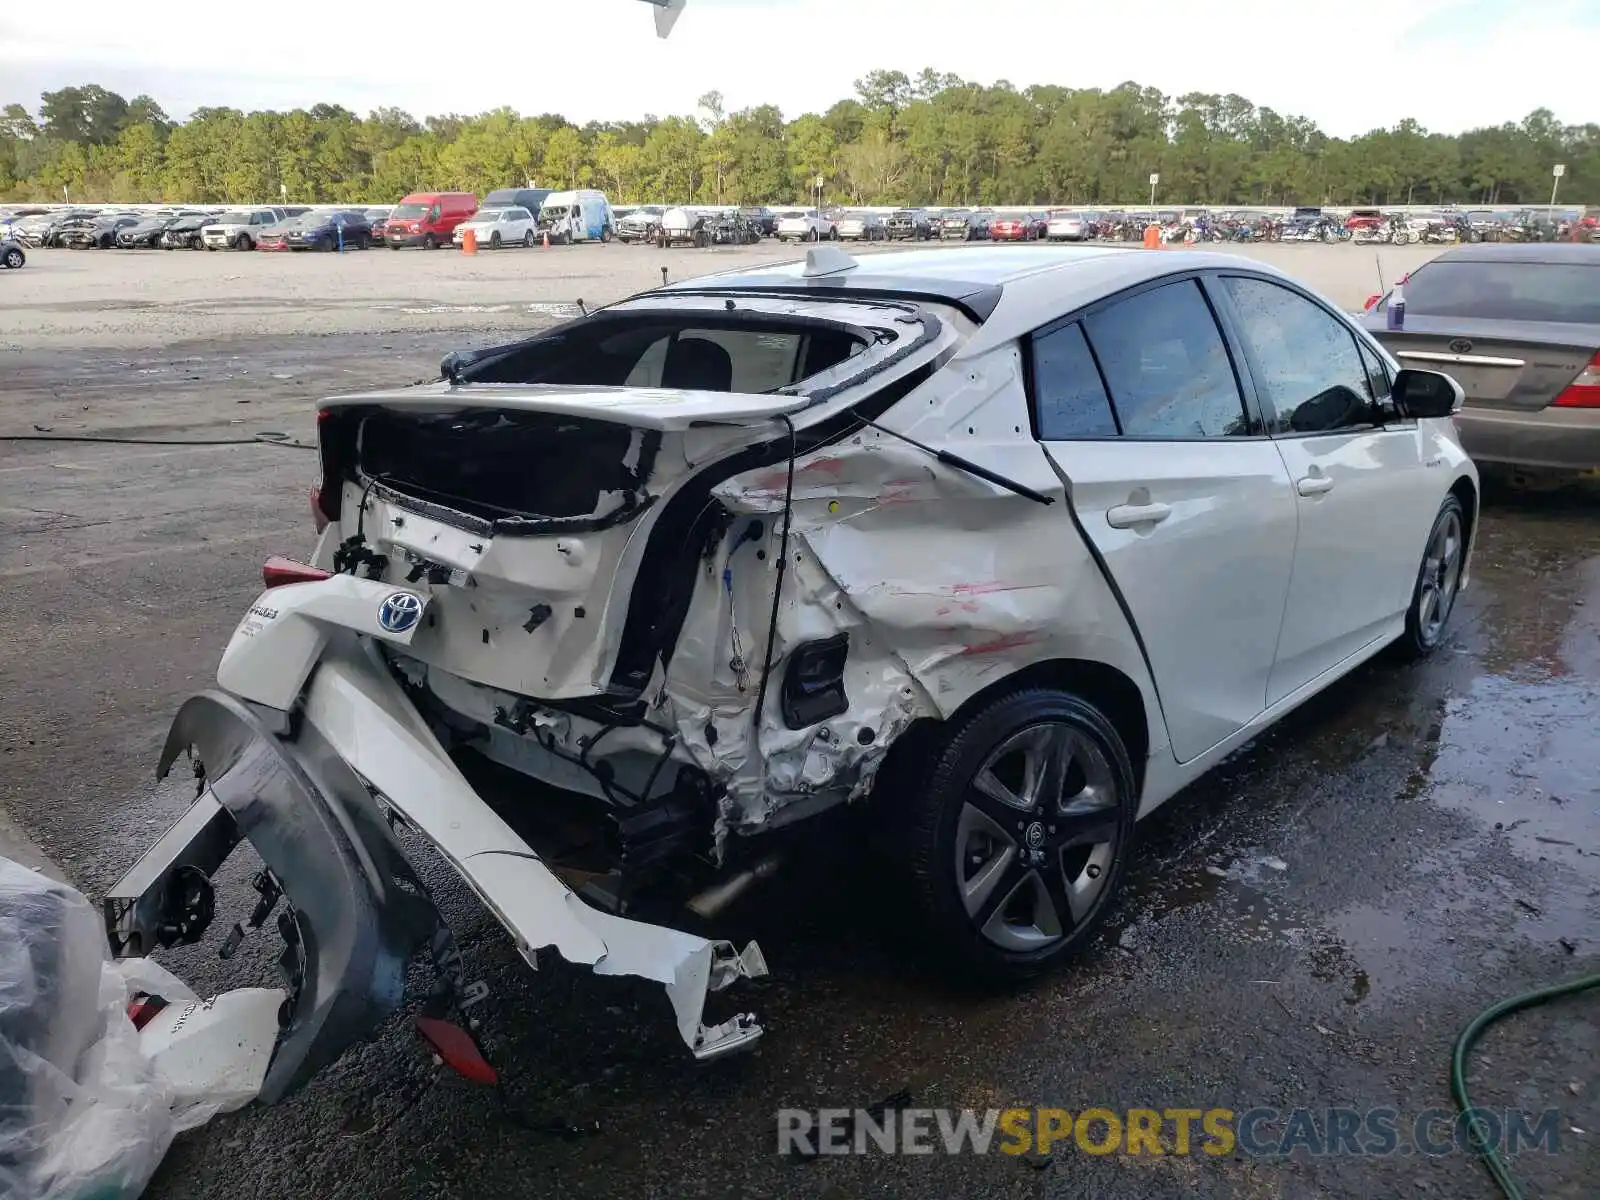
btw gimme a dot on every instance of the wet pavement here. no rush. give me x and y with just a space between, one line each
1309 926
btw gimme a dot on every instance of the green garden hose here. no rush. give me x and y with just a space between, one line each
1458 1069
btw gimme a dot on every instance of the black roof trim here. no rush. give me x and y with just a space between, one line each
977 300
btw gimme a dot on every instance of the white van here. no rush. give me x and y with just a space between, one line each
580 216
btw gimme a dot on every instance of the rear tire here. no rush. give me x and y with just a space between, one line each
13 259
1433 596
1012 875
528 240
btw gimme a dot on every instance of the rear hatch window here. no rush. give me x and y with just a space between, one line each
739 353
504 466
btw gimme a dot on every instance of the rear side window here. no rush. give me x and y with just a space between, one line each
1567 293
1166 365
1069 397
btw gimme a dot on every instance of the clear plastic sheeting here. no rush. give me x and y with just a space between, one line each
86 1109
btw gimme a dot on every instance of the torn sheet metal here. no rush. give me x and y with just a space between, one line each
945 584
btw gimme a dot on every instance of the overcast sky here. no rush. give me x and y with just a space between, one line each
1452 64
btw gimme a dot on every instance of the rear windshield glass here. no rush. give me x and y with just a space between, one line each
1566 293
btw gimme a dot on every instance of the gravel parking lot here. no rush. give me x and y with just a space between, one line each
1311 925
152 299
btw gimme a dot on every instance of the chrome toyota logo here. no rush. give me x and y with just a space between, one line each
1461 346
1035 835
399 612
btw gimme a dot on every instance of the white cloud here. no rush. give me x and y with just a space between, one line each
1451 64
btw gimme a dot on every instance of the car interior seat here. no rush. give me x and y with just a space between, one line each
697 364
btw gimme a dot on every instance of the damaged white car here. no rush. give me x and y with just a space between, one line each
1005 548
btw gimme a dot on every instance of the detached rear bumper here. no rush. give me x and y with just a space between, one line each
311 802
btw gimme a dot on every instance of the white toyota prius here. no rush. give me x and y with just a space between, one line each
998 549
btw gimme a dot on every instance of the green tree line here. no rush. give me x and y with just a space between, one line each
929 139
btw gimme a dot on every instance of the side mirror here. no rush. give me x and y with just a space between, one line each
1332 409
1423 394
1372 302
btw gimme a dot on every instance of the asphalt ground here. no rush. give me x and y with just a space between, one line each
1307 927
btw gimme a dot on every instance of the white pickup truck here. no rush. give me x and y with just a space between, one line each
805 225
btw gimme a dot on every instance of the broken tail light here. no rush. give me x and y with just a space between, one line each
813 683
319 516
278 571
1584 391
457 1049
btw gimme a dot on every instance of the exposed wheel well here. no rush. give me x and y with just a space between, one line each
1464 491
1107 688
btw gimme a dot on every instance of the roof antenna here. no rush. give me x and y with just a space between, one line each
1378 258
663 277
582 311
825 260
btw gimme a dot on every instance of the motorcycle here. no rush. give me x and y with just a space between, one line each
732 229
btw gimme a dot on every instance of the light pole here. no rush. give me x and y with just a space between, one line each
1556 172
1155 178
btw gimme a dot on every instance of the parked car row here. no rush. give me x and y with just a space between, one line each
509 216
535 216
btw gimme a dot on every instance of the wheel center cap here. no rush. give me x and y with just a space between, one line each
1035 835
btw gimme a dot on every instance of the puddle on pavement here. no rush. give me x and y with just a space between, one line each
1245 889
1515 752
1522 758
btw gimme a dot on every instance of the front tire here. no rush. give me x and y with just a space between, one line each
494 240
429 242
14 258
1018 835
1433 596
